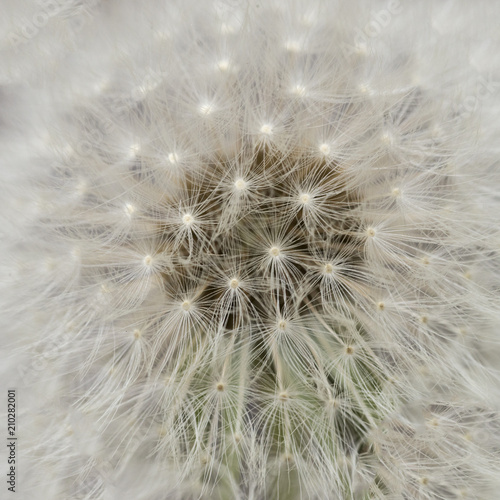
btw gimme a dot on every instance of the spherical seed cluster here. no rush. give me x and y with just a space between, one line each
255 255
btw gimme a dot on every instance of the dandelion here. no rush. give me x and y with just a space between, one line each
250 250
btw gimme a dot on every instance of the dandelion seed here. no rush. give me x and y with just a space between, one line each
266 129
240 185
173 158
387 138
298 90
328 268
187 220
274 252
206 109
293 46
364 88
134 150
305 198
324 149
224 65
130 210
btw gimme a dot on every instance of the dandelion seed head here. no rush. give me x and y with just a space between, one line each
255 257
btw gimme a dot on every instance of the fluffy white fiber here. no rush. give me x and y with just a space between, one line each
250 249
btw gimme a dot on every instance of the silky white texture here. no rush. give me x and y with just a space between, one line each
251 249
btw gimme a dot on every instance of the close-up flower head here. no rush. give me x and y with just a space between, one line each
250 249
